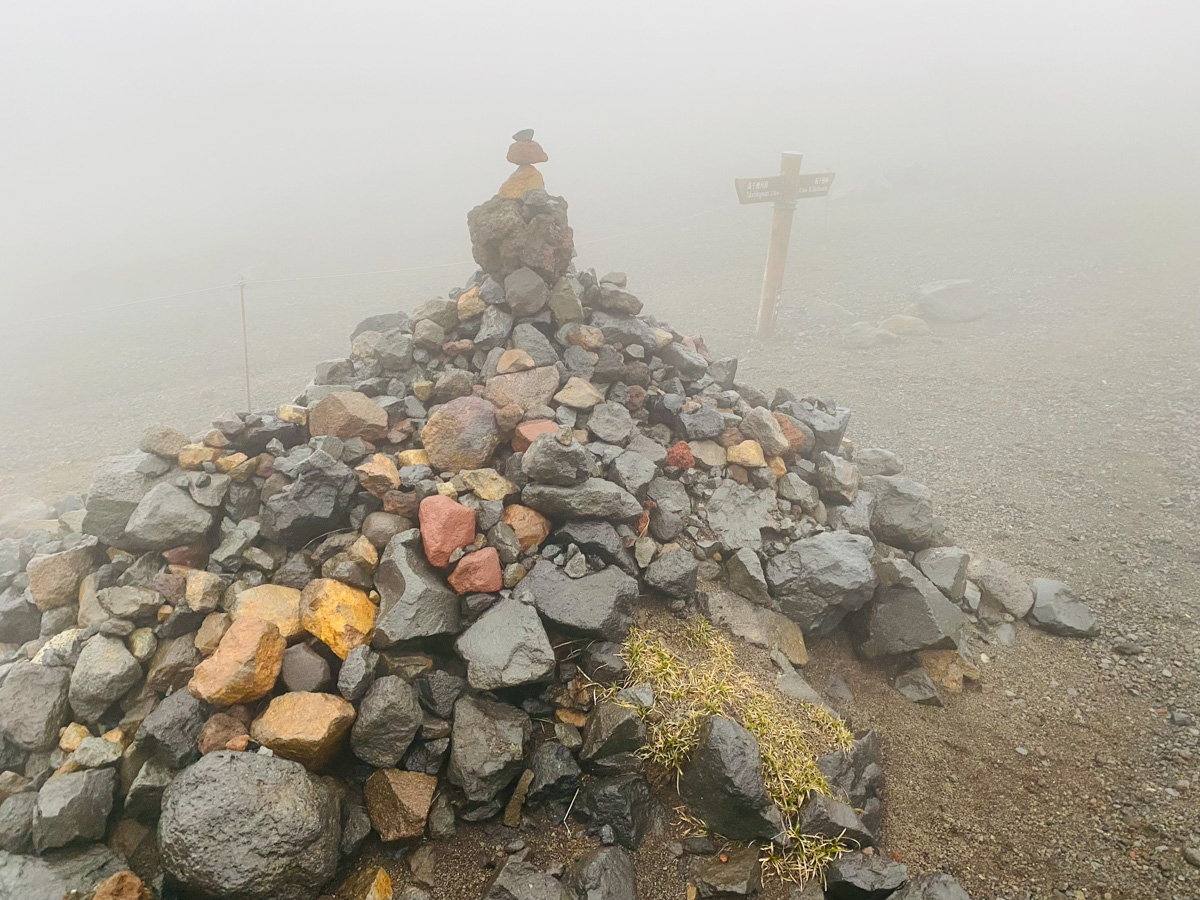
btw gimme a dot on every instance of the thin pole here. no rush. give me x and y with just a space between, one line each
245 345
781 235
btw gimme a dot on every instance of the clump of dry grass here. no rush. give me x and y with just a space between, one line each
699 677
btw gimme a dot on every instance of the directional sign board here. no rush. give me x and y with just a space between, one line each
778 187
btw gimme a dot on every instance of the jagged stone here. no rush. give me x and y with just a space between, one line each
598 605
907 614
487 747
819 580
506 646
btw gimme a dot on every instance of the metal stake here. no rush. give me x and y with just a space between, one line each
245 344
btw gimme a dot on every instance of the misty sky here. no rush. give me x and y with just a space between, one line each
151 146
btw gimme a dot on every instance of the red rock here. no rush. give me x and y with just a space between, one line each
526 153
680 456
796 438
524 433
478 572
401 503
445 526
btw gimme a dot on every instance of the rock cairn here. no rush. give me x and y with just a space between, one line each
254 648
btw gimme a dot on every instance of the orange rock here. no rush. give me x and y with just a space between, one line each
478 572
530 525
272 603
948 668
55 579
219 730
368 884
796 438
412 458
469 305
525 153
515 360
239 743
378 475
680 455
228 463
194 456
398 802
525 432
306 727
348 414
212 629
525 178
339 615
122 886
777 466
243 668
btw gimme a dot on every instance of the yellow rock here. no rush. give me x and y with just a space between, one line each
413 458
228 463
72 736
948 668
446 489
297 415
662 338
194 456
247 468
488 484
203 589
378 475
305 727
469 305
525 178
747 453
339 615
363 553
777 466
272 603
422 390
214 437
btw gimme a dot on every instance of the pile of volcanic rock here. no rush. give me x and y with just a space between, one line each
378 611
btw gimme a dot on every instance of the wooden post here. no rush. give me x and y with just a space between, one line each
245 345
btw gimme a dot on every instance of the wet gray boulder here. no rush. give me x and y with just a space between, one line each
595 537
722 783
556 775
118 486
33 705
506 646
415 601
605 873
859 876
167 517
389 717
622 802
855 516
598 605
634 472
487 747
737 515
672 507
856 777
833 819
550 461
105 672
249 827
1001 587
674 573
1056 609
518 879
736 873
16 822
819 580
438 690
611 739
745 577
917 687
357 673
144 800
58 873
903 512
946 567
317 502
934 886
595 498
171 732
20 620
73 808
495 325
610 422
907 614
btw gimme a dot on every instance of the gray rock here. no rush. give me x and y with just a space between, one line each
20 620
439 690
744 574
506 646
761 426
304 669
916 685
517 879
759 625
209 490
57 874
415 601
622 329
33 705
688 362
495 325
236 539
854 517
907 614
526 337
633 472
612 737
903 514
144 800
73 808
722 783
875 461
550 461
487 747
137 604
171 732
858 876
649 448
118 486
389 717
672 507
620 802
249 826
106 671
598 605
837 478
16 823
736 515
673 573
946 567
704 423
737 873
167 517
605 873
828 428
357 673
316 503
556 775
594 498
952 300
934 886
1001 586
395 352
819 580
525 292
611 422
856 777
598 538
1056 609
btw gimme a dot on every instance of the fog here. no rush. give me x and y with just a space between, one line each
150 148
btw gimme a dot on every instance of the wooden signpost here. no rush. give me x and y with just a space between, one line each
782 190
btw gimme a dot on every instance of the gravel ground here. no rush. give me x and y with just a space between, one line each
1059 434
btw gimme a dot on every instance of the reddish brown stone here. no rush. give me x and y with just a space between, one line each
637 397
797 439
730 437
478 572
529 524
194 556
398 802
306 727
348 414
401 503
445 525
219 730
508 417
680 456
524 434
245 666
211 630
122 886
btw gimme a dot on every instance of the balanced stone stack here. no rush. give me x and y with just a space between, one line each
254 648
